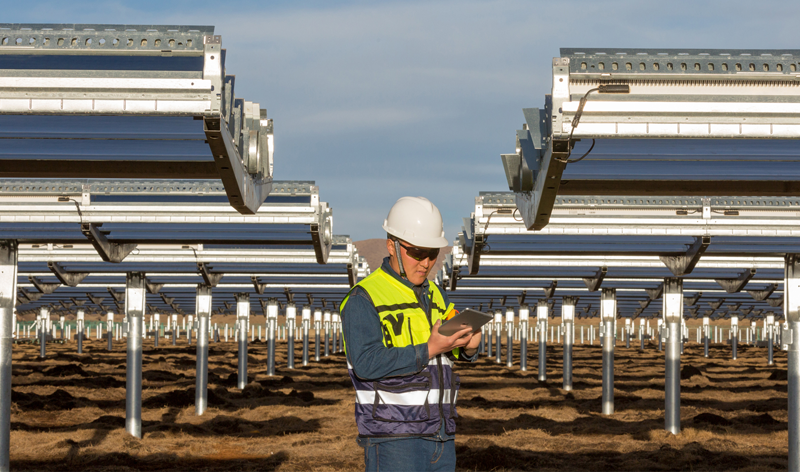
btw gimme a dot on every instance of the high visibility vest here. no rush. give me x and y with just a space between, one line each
411 405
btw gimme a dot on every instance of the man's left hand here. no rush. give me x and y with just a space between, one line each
473 344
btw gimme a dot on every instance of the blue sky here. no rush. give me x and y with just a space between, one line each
376 100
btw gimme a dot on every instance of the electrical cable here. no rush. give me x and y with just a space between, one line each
611 88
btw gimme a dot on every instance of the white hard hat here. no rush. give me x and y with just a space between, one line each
417 221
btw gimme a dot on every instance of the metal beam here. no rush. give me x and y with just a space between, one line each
70 279
593 283
210 278
761 295
108 251
684 264
736 285
43 287
116 169
8 289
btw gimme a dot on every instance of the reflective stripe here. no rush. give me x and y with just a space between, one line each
445 360
367 397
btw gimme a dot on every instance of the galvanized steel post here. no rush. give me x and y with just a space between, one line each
174 330
306 320
326 318
541 320
79 329
498 327
791 307
768 324
706 332
568 319
608 312
44 315
272 324
734 335
317 329
8 295
134 308
673 314
157 321
509 337
242 320
291 315
203 311
627 333
110 329
524 314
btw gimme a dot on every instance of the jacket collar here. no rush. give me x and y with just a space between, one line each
386 266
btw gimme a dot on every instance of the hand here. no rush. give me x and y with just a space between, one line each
438 343
473 344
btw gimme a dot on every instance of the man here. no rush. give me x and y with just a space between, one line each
401 367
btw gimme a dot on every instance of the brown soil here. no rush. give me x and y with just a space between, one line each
68 413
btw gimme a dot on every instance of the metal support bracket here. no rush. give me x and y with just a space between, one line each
152 287
70 279
210 278
715 305
594 283
41 286
774 302
108 251
550 291
30 296
246 192
259 287
761 295
655 293
691 301
736 285
322 235
684 264
119 297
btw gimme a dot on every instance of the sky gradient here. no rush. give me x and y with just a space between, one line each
374 101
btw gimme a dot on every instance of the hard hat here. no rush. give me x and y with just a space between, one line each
417 221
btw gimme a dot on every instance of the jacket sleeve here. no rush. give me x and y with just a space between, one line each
461 355
363 335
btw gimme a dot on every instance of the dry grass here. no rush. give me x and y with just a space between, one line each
68 413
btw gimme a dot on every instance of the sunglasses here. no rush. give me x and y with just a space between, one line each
419 254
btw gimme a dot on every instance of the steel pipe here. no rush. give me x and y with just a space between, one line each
568 319
673 315
541 319
203 310
524 314
291 314
134 306
306 320
242 319
317 332
272 324
44 316
8 291
509 337
608 307
498 327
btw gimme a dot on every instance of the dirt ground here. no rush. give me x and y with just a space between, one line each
68 412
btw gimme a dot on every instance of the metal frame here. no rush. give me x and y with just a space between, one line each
671 94
239 134
44 201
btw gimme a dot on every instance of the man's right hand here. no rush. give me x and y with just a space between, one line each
438 343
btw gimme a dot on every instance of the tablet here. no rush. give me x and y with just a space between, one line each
469 317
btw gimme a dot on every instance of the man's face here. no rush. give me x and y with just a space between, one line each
418 262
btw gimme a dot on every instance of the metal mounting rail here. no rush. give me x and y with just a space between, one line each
168 71
618 219
664 95
164 222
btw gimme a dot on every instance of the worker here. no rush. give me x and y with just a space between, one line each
401 367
